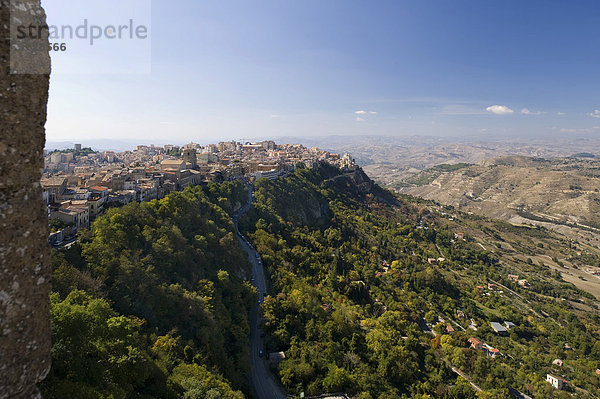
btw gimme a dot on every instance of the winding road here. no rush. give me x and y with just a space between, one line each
263 383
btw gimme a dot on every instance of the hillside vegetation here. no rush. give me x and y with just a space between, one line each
356 287
370 294
152 302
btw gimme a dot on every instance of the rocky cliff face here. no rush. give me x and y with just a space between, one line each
314 209
24 253
360 185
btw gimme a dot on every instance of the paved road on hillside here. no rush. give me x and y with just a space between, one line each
261 378
466 377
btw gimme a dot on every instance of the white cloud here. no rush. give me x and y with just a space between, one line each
526 111
363 112
499 110
275 116
560 113
595 114
359 119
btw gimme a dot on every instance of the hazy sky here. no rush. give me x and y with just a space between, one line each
227 69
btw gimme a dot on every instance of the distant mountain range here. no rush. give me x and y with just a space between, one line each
419 152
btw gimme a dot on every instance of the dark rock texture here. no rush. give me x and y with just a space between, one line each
24 252
358 185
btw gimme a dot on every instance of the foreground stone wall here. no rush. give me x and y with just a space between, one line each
24 253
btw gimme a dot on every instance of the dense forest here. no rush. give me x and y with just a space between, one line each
358 277
153 302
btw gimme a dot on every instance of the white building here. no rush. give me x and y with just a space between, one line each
271 174
556 382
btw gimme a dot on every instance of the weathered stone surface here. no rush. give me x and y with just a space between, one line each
24 253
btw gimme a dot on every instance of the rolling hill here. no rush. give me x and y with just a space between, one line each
563 191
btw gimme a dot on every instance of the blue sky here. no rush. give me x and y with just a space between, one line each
243 69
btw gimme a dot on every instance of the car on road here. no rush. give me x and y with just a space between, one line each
260 353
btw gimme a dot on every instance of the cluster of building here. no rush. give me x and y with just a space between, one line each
558 382
78 184
498 329
487 349
521 281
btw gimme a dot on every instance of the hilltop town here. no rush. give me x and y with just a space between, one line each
80 183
